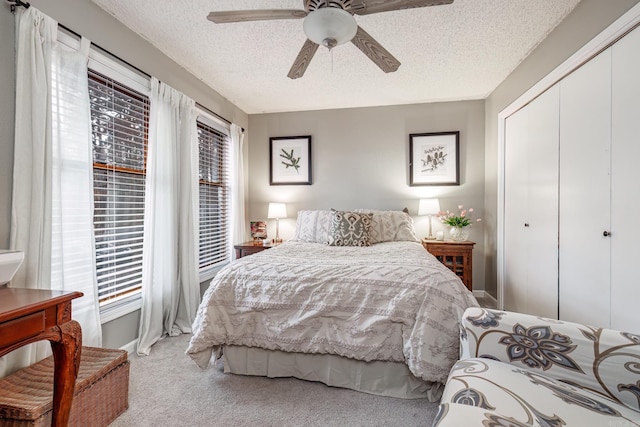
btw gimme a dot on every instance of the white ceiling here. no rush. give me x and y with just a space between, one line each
453 52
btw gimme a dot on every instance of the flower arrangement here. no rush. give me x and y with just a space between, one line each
460 220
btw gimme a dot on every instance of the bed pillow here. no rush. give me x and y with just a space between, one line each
390 226
349 229
313 226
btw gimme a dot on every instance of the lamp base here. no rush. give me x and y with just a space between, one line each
430 237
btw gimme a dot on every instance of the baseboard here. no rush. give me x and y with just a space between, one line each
486 295
130 347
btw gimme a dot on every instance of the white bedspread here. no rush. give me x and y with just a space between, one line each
391 301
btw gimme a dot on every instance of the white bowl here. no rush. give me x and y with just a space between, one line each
9 263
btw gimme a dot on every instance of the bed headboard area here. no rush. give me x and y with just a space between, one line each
359 227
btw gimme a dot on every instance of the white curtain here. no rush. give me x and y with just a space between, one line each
170 286
51 218
238 224
73 242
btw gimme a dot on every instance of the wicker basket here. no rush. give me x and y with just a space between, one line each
101 392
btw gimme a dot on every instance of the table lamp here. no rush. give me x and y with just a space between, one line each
429 207
277 211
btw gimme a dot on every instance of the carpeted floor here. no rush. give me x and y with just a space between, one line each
167 389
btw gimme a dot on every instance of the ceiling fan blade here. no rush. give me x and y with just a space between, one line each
367 7
374 50
303 59
227 16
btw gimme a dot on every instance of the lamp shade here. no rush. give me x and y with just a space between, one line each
329 26
428 207
277 210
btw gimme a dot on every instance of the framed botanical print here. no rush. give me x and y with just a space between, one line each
290 160
434 158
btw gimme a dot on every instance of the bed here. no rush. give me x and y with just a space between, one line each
380 317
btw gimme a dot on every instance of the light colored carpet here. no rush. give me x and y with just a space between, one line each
166 388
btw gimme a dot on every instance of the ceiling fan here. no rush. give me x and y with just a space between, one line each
331 23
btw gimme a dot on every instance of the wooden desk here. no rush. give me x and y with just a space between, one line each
30 315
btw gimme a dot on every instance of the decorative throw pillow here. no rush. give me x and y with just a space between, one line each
349 229
313 226
390 226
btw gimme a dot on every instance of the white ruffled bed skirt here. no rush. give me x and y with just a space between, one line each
390 379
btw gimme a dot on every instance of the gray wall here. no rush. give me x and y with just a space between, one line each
587 20
360 159
87 19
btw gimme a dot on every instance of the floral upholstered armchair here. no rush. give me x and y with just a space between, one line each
521 370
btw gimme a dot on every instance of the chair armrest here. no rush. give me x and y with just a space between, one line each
602 360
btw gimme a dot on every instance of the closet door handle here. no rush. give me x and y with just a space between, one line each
526 224
606 234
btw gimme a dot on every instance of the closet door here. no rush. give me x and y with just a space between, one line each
531 207
585 129
544 147
625 196
516 202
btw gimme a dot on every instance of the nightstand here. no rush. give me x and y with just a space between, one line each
457 256
249 248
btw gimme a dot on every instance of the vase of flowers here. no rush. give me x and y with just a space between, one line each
458 234
458 222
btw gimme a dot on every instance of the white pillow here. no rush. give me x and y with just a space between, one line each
313 226
390 226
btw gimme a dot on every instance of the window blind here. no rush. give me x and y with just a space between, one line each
214 197
119 126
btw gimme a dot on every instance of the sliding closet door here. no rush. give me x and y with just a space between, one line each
625 196
585 129
531 207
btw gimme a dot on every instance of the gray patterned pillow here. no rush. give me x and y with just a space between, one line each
349 229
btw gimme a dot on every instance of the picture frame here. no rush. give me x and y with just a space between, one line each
434 158
290 160
258 230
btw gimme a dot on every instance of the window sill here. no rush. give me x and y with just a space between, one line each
122 308
211 273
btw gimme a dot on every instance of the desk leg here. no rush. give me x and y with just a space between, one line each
66 356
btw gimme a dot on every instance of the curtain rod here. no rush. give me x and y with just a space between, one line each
142 72
15 3
27 5
215 114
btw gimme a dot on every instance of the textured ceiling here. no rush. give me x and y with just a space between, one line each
453 52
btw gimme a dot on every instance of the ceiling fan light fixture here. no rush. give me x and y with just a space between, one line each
330 26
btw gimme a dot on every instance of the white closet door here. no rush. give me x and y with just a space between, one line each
625 192
585 135
544 146
516 202
531 207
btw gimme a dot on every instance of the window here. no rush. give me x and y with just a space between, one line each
119 132
214 197
119 124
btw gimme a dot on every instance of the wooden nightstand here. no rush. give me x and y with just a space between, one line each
457 256
248 248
